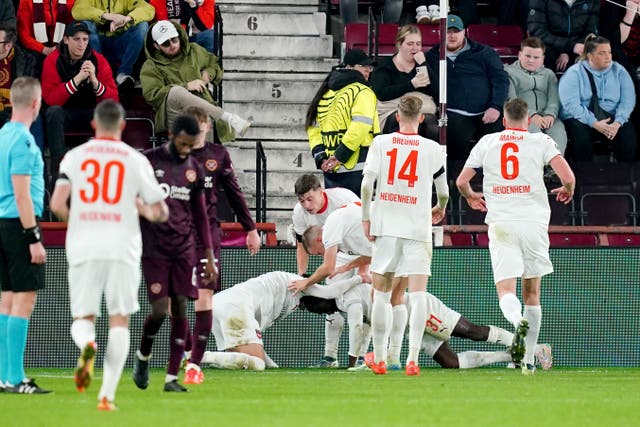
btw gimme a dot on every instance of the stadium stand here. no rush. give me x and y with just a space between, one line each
504 39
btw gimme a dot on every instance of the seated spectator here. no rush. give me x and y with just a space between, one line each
563 25
41 24
176 75
197 17
404 73
428 11
7 13
477 87
15 62
597 97
117 31
619 22
391 10
530 80
74 79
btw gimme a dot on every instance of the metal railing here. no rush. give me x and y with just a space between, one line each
261 183
218 34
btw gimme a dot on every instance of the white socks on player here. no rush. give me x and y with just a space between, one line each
511 308
532 314
474 359
114 360
83 332
233 360
356 334
381 320
500 336
417 320
398 327
333 325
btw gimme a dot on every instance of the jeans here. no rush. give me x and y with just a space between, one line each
123 48
204 39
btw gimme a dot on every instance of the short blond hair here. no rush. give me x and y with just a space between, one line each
410 107
25 90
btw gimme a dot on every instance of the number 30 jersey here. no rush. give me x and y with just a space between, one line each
404 166
105 177
513 167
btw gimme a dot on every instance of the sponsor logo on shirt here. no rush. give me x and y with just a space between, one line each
159 173
155 288
511 189
398 198
190 174
211 164
175 192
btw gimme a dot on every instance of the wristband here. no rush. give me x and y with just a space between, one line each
32 234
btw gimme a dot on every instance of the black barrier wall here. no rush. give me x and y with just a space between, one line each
591 308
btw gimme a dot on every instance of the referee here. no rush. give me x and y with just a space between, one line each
22 254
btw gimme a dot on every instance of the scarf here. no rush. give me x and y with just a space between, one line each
39 25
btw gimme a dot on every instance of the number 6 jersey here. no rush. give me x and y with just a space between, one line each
404 166
106 176
512 163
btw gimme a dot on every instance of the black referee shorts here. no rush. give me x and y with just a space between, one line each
17 273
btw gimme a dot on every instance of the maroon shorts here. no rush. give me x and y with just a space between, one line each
202 254
170 277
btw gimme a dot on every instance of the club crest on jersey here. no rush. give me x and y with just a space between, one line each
211 165
159 173
155 288
190 174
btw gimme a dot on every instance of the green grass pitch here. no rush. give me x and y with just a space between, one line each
337 398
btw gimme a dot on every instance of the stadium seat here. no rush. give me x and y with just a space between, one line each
482 240
357 35
461 239
607 208
616 239
562 214
387 39
572 239
504 39
430 36
140 133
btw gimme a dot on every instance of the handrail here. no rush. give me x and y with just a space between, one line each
261 183
218 34
373 38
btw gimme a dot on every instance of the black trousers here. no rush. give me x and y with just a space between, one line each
461 130
581 139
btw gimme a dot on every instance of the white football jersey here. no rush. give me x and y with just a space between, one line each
403 165
334 199
344 229
358 294
512 162
105 177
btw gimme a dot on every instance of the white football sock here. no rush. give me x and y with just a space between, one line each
83 332
233 360
500 336
114 360
333 325
400 316
356 335
366 333
511 308
474 359
533 314
417 320
381 319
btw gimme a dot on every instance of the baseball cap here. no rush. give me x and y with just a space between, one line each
163 31
357 57
74 27
454 21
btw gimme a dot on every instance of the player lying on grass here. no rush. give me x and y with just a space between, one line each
242 312
442 323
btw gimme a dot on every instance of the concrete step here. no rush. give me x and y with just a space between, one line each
269 2
277 114
279 183
267 8
284 64
275 133
263 23
271 87
284 158
277 46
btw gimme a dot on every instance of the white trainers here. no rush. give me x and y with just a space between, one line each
434 13
544 356
422 15
238 124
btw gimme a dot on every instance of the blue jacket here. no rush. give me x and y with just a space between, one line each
616 93
475 81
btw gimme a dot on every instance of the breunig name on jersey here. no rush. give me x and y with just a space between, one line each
175 191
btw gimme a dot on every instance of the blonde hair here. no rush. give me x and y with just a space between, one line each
404 31
25 90
516 109
591 42
410 107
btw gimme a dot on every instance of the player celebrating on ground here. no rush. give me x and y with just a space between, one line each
108 183
518 215
404 165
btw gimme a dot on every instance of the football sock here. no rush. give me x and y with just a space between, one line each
474 359
511 308
398 326
114 360
499 336
381 320
201 331
4 349
356 337
417 320
366 333
176 344
17 328
149 331
533 314
169 377
332 330
83 331
269 363
233 360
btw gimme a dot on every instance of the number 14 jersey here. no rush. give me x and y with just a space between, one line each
404 166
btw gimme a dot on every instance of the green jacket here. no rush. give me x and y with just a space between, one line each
92 10
159 73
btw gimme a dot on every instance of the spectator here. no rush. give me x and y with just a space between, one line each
562 25
391 10
16 62
620 24
597 97
530 80
117 31
477 87
74 79
342 121
7 13
197 17
514 12
428 11
176 75
403 73
41 24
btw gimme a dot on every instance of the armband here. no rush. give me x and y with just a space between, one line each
626 23
32 235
